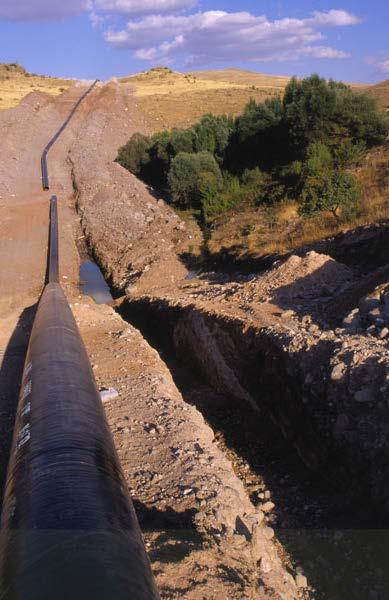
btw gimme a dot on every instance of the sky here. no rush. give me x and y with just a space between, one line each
346 39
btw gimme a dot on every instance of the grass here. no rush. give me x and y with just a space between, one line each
16 83
169 99
254 232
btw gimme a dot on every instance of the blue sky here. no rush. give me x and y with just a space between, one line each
102 38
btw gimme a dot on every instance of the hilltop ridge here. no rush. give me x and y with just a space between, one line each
16 83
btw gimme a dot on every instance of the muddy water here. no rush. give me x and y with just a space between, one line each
93 284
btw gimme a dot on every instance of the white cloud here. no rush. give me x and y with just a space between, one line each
380 62
334 18
144 7
29 10
217 36
383 66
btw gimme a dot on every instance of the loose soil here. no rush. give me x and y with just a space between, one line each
251 421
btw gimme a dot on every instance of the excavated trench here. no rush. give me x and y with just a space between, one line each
252 397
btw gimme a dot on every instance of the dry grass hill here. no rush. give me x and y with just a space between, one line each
381 94
16 83
170 99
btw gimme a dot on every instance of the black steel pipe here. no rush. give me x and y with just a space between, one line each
44 168
68 529
53 256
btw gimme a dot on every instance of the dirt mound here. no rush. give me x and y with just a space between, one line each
303 278
11 69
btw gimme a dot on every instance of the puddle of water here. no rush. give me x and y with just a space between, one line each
93 284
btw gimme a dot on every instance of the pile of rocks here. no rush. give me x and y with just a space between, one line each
372 314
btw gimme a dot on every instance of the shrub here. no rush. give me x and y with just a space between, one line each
134 155
186 177
308 107
319 160
212 134
213 201
336 191
348 153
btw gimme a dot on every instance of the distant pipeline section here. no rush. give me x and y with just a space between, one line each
68 527
44 167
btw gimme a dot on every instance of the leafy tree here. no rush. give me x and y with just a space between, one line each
319 160
186 177
159 159
308 108
181 140
348 153
212 134
336 191
134 155
359 116
212 202
259 137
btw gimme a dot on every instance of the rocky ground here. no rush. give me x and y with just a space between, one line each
204 535
252 410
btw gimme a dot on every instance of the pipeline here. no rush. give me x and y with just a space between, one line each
44 167
68 527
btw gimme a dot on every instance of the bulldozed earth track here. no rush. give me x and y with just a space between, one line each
249 425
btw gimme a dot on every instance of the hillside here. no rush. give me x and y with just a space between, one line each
381 93
16 83
171 99
247 230
242 77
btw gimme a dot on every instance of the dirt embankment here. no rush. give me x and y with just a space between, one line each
268 343
204 535
263 345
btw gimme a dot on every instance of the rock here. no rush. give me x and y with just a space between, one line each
352 322
107 394
267 507
268 533
364 395
301 581
265 565
287 314
374 315
384 333
338 372
368 304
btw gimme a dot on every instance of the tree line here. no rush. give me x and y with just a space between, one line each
300 146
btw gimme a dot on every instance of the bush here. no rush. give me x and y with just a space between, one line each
212 134
186 177
315 110
319 160
134 155
348 153
309 106
336 191
297 147
213 201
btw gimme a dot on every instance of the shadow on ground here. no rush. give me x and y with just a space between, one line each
11 371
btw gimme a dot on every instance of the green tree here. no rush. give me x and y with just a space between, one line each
337 192
212 134
181 140
318 160
308 109
186 176
134 155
